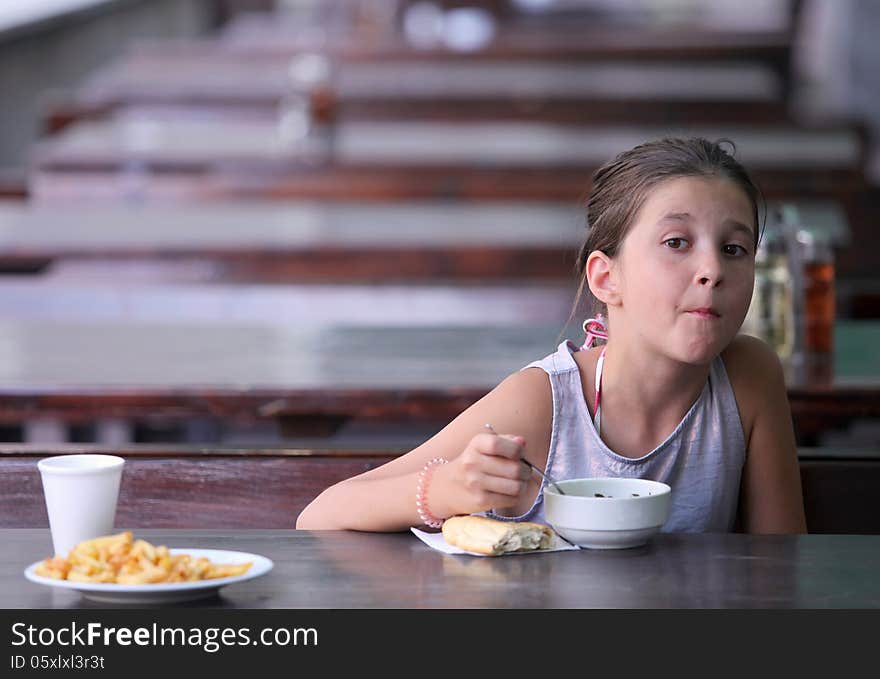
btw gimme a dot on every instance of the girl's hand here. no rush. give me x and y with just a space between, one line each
488 474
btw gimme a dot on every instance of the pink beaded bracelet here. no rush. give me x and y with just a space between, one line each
422 493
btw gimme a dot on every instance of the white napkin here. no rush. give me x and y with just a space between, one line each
438 542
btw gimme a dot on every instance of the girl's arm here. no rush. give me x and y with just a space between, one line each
771 499
484 471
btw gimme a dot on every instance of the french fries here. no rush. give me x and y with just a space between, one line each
122 560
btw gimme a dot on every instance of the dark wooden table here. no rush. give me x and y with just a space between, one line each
240 370
13 184
360 570
194 293
82 371
342 241
219 82
830 394
581 36
275 241
139 159
584 39
179 486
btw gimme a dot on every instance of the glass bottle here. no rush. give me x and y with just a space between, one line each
307 109
771 313
781 302
819 311
755 322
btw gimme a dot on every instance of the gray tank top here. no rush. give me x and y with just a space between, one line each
701 460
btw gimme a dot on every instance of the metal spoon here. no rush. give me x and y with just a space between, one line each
549 479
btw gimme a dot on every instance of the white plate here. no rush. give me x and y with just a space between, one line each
161 593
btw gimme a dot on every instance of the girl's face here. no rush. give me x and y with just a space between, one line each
686 269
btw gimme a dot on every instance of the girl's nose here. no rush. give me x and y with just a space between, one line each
709 272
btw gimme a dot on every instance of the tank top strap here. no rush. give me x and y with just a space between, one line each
559 362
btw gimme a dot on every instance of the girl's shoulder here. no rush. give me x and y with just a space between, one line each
523 400
530 388
752 367
522 404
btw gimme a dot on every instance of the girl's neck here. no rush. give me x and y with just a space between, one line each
651 388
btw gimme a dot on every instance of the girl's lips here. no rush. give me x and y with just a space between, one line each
705 313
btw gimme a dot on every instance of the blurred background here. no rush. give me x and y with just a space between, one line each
334 224
51 47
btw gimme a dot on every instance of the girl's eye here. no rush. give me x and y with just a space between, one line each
675 243
735 250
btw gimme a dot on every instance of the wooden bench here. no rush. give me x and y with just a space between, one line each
188 487
137 161
839 489
579 40
13 184
148 159
338 242
370 37
278 242
160 294
220 83
318 378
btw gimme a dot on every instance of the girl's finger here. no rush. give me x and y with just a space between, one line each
501 446
503 486
494 465
498 501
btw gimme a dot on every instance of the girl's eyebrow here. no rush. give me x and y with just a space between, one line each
739 226
676 216
732 224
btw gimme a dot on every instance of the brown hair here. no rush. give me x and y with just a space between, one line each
621 186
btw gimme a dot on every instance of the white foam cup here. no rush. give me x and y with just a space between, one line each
81 492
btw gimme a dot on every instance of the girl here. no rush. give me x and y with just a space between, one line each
674 395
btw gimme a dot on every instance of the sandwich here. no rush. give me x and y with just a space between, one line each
493 537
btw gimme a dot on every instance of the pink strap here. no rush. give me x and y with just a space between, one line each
599 365
595 329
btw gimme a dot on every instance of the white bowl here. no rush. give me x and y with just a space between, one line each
628 514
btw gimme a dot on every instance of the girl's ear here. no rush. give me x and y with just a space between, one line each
601 278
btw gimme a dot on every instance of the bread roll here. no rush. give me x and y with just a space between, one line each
491 536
